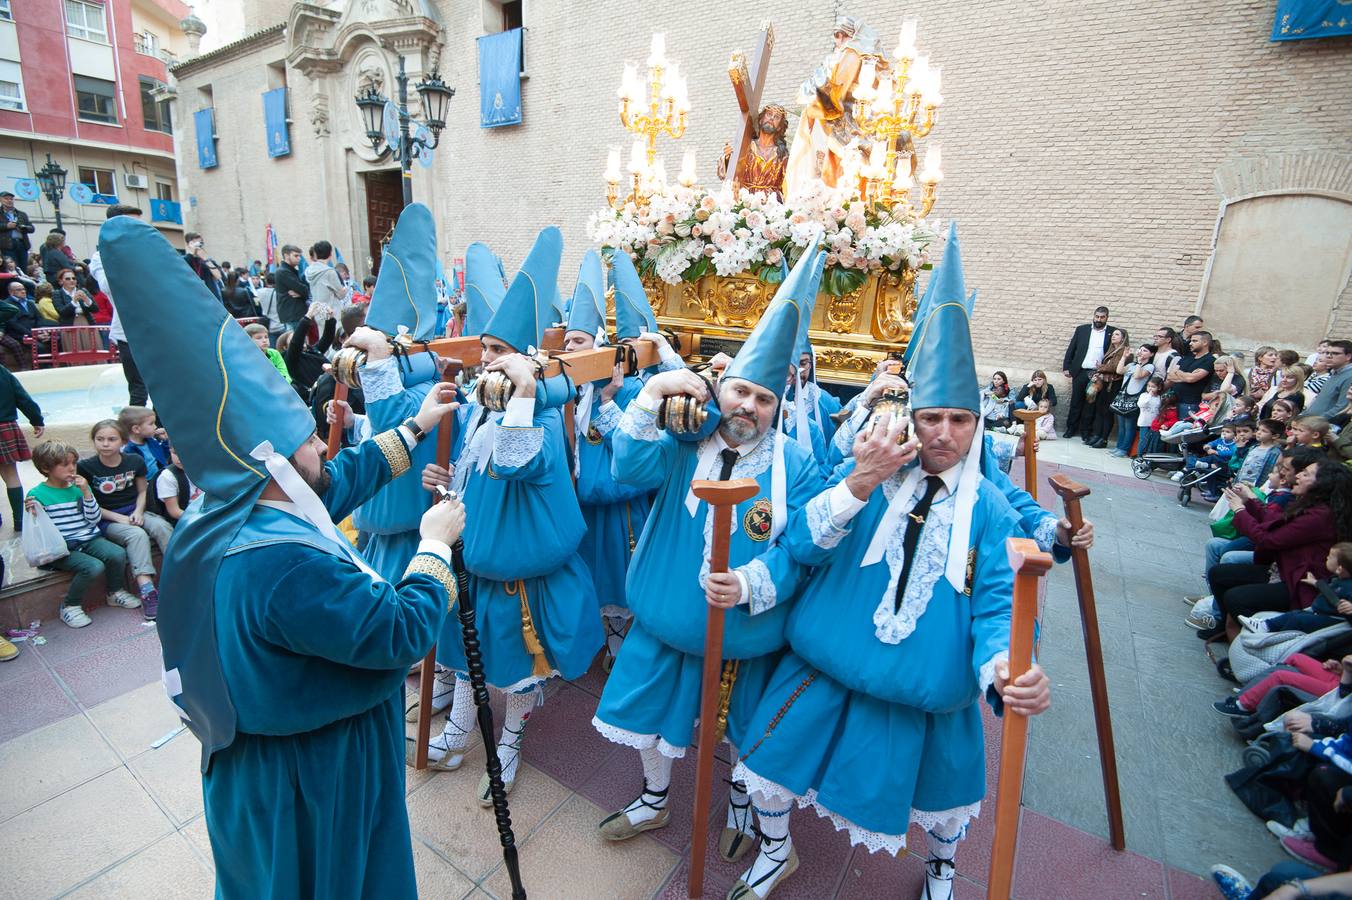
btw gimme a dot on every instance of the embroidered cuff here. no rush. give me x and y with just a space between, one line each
606 417
395 451
380 380
639 422
1044 533
823 530
433 566
514 447
757 581
520 413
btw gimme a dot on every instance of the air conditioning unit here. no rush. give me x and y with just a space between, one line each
136 182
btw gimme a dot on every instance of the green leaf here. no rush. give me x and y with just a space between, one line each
769 274
840 281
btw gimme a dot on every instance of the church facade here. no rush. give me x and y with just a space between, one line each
1159 160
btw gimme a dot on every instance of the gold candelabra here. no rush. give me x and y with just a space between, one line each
896 101
666 108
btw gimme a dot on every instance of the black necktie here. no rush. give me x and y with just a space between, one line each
729 460
915 520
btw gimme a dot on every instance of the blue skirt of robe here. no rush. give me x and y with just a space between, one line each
605 547
318 814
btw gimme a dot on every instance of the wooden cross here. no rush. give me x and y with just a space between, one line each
748 85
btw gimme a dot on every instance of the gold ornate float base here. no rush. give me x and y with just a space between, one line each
850 333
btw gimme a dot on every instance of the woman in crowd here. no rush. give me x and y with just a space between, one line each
1099 422
1290 386
237 299
996 403
73 305
1266 362
1296 539
54 257
1136 373
1035 391
1227 376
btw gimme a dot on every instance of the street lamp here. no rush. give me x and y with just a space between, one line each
436 96
52 180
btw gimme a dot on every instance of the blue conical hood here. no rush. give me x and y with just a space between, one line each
525 312
804 344
942 369
485 286
218 396
633 312
559 307
587 312
767 354
406 289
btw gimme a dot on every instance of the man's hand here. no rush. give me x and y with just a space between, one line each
613 385
519 370
338 411
722 589
1302 742
1028 695
1080 540
882 383
659 339
136 518
439 401
677 381
877 455
1344 607
375 344
1297 722
434 476
444 521
37 431
717 363
1065 372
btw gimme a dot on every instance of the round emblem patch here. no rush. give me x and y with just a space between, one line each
758 519
593 436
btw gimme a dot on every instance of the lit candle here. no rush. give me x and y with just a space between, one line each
671 81
658 54
638 158
906 43
868 73
882 98
613 166
682 97
659 173
687 176
931 174
919 75
627 81
932 96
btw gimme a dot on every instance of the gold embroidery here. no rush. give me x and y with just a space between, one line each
396 452
971 572
428 564
758 520
725 696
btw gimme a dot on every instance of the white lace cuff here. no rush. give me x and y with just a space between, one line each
759 585
986 678
639 423
514 447
606 418
1045 533
380 380
821 524
520 413
843 504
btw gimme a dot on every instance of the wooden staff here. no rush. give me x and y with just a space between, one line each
1071 493
723 496
427 671
1029 417
1029 564
336 426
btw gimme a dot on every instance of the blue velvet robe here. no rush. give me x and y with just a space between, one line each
882 733
652 695
525 534
308 801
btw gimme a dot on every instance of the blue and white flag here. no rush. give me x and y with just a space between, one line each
1301 19
274 118
204 128
500 79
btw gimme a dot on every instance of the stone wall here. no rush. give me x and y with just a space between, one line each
1081 141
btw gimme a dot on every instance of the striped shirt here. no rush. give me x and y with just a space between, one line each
74 515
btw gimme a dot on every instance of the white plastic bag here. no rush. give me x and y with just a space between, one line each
42 541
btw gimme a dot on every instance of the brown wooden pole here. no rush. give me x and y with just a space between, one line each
336 426
723 496
1029 564
1071 494
1028 417
427 671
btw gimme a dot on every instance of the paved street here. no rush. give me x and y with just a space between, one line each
79 714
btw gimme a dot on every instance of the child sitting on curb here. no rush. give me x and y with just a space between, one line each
70 504
1331 606
144 438
174 488
120 487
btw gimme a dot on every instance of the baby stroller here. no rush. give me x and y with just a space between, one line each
1173 461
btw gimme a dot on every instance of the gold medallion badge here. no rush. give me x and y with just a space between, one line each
593 436
757 521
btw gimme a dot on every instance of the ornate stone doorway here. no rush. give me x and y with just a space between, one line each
384 202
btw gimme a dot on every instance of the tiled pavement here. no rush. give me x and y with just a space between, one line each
87 808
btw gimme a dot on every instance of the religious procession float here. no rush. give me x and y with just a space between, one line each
711 258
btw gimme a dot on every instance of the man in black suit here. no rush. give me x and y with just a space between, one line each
14 231
1085 352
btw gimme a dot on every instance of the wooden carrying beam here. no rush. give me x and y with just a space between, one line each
584 366
1029 564
1071 494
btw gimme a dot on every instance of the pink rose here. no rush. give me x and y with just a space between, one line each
846 258
770 234
838 214
797 218
724 239
696 231
855 222
702 214
755 220
707 203
709 250
775 256
831 259
669 218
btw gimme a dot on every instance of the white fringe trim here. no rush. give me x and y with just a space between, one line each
637 741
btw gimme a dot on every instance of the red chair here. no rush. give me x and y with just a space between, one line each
74 345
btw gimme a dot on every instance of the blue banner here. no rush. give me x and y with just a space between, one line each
1301 19
204 126
166 211
500 79
274 117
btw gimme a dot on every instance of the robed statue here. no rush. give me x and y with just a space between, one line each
762 165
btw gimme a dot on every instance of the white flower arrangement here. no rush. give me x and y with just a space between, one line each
686 233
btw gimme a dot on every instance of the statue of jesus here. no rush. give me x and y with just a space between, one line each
762 165
829 145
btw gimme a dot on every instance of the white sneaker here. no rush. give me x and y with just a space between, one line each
1177 476
1301 829
123 600
1256 625
74 616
